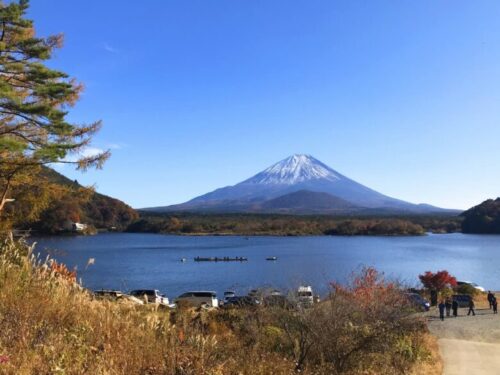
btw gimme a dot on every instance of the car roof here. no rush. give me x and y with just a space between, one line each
305 289
144 290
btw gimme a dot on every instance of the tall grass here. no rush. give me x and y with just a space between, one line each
50 325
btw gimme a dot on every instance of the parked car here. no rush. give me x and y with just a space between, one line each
241 301
198 298
116 295
261 293
150 296
229 294
474 285
462 299
277 300
274 292
305 296
418 301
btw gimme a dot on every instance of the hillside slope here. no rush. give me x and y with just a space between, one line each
306 201
483 218
98 210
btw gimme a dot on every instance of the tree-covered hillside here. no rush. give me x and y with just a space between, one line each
483 218
96 209
66 201
294 225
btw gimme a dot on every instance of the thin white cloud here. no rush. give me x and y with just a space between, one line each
109 48
89 151
115 146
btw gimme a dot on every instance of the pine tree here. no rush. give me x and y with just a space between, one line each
34 102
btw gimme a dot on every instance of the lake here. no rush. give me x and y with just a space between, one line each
127 261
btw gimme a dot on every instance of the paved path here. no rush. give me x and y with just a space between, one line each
469 357
468 344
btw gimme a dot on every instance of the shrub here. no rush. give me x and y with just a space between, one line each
50 325
466 289
437 281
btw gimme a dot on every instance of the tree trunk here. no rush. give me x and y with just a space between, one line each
3 198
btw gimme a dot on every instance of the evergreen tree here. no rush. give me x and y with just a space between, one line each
34 102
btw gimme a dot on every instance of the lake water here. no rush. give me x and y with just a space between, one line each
128 261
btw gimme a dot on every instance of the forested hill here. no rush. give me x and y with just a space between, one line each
76 204
483 218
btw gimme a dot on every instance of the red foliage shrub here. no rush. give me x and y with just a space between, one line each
438 280
62 271
369 288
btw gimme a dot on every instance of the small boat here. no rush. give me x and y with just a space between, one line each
272 258
223 259
183 260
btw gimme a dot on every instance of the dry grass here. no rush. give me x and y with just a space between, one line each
49 325
433 365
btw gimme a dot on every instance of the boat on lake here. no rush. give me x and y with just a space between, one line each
272 258
221 259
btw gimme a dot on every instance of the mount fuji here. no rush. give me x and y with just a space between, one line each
299 184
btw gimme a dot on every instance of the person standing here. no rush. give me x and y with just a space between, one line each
494 305
491 296
471 307
441 307
447 304
454 307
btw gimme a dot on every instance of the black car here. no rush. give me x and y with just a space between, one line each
462 299
241 301
418 301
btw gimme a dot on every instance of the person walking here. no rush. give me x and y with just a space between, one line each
441 307
471 307
447 304
491 296
454 307
494 305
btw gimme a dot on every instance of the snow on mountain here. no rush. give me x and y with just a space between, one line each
297 173
294 169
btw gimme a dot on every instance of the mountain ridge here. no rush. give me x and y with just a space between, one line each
298 172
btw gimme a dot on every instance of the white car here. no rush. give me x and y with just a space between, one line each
150 296
199 298
305 296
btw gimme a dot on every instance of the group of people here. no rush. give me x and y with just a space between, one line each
449 305
493 302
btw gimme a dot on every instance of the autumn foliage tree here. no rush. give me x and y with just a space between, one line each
34 102
437 281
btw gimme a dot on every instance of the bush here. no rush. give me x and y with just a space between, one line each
50 325
466 289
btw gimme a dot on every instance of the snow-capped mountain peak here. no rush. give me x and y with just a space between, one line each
298 184
294 169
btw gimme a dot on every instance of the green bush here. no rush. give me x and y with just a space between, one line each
467 289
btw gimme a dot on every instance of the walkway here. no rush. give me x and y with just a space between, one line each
468 344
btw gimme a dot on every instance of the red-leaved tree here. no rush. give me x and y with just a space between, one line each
437 281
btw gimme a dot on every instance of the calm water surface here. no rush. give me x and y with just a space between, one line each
128 261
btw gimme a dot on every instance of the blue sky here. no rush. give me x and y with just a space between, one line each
402 96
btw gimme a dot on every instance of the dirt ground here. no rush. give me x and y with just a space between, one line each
468 344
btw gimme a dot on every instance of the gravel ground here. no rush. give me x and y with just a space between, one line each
468 344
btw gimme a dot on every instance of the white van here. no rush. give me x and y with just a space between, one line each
198 298
305 296
150 296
